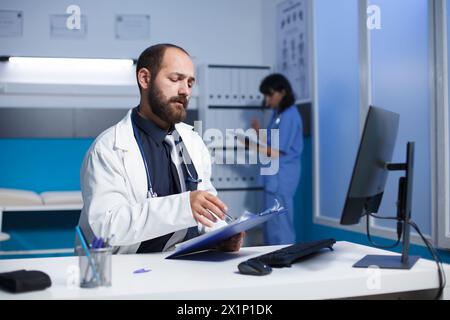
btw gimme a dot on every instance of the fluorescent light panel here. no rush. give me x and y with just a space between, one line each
72 62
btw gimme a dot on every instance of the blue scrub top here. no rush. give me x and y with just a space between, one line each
290 126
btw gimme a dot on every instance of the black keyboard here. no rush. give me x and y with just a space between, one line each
286 256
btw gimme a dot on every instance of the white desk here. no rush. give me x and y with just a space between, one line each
329 275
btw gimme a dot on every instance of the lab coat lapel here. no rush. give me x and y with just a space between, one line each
135 170
132 159
190 145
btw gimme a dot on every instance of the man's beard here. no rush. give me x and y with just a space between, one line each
165 109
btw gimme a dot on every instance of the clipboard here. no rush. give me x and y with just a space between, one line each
208 240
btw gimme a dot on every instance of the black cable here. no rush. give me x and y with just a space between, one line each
431 249
437 259
380 217
370 237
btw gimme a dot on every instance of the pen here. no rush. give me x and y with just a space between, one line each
81 235
86 251
100 243
108 241
226 214
94 243
143 270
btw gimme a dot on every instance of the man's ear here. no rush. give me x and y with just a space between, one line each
144 78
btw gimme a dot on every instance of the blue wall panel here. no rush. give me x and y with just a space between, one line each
400 83
448 72
400 76
308 231
42 164
338 99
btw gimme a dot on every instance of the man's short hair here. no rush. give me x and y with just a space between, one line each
152 57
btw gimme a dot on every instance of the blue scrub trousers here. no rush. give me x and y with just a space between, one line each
282 185
280 230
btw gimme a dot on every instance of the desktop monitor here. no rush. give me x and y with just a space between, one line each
368 181
369 173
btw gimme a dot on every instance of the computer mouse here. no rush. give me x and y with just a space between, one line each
254 268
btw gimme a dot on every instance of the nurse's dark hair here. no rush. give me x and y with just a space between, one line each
152 57
278 82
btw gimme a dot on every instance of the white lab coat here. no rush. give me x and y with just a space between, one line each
114 189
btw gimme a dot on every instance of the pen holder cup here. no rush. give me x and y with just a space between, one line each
95 270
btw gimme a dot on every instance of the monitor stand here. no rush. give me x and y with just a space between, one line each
386 262
403 261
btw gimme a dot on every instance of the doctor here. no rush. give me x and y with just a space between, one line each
146 181
279 97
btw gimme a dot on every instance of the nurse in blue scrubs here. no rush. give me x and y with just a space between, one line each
278 96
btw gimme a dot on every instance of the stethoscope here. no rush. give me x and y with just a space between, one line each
150 192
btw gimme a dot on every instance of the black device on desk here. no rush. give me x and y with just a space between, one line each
283 257
254 267
286 256
367 185
366 189
24 281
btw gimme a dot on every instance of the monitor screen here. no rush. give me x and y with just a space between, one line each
369 172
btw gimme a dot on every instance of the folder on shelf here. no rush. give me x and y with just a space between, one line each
210 239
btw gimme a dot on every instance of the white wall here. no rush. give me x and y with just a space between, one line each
225 31
213 31
269 31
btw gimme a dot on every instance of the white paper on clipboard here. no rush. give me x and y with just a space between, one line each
210 239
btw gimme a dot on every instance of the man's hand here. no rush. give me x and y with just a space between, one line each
232 244
206 207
